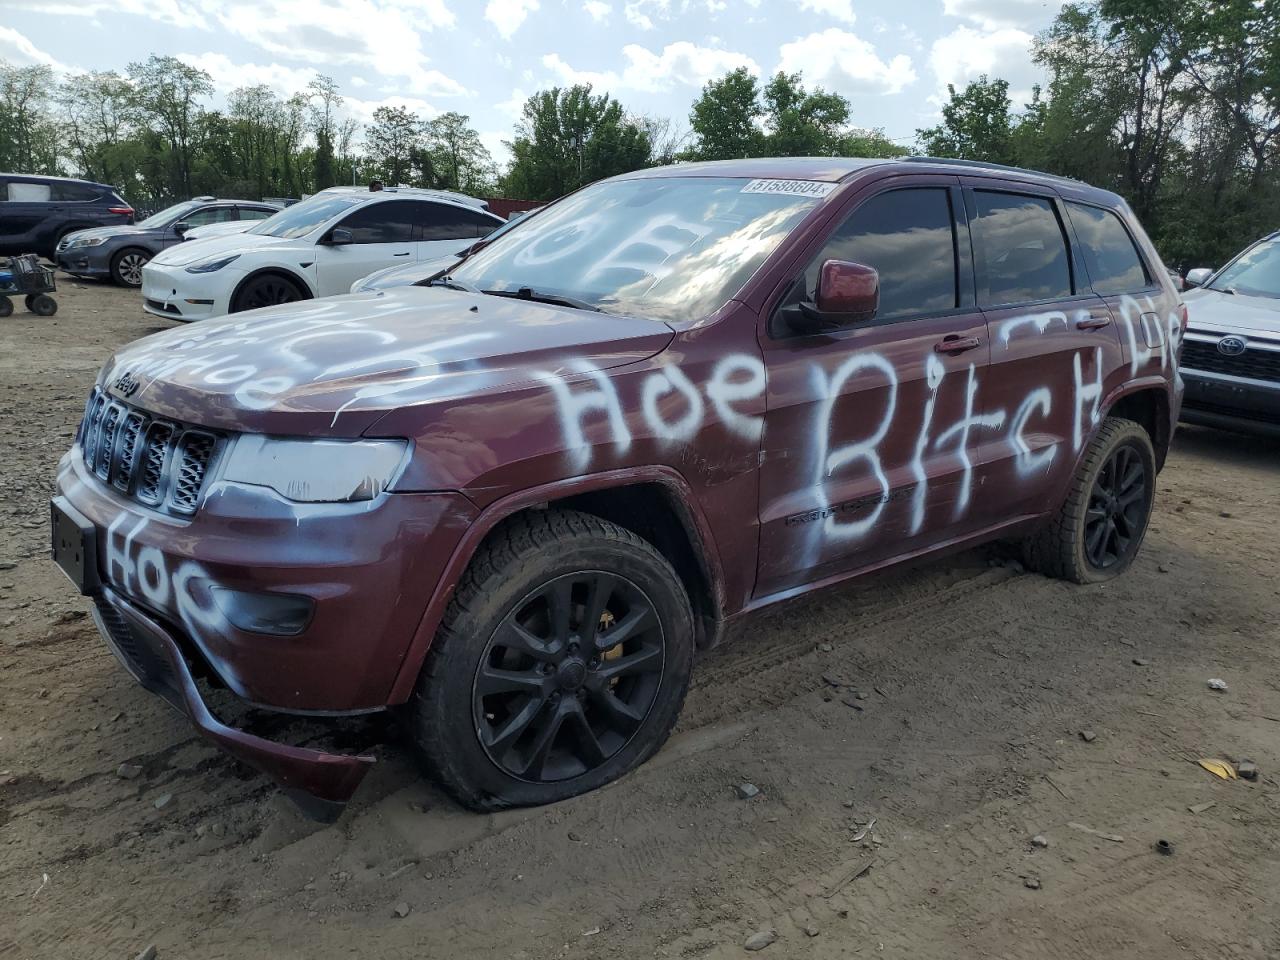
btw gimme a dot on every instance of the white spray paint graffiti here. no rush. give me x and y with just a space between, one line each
740 378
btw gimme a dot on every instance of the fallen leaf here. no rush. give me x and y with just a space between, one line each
1220 769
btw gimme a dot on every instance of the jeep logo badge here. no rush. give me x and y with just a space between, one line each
127 384
1231 346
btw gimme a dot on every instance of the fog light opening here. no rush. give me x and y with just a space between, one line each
277 614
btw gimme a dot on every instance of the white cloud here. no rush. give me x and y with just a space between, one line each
507 15
228 75
993 14
679 64
635 12
172 12
18 49
513 106
840 9
385 36
362 110
964 54
598 9
845 63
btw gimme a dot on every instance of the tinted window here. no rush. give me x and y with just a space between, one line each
209 215
440 221
907 236
1021 252
1109 254
253 213
28 192
389 222
73 193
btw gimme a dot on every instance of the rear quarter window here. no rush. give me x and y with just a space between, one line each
1110 256
19 192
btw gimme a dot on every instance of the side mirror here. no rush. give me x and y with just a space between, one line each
181 227
1198 277
338 237
848 293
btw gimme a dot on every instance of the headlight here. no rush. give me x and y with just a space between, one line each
86 242
209 266
316 471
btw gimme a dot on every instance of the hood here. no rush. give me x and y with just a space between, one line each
1213 311
223 229
122 230
204 248
404 273
332 367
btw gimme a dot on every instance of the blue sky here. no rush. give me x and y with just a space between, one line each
891 58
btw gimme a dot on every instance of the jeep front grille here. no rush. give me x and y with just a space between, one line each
159 463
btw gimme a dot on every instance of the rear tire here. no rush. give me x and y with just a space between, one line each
43 305
561 663
1096 533
266 290
126 267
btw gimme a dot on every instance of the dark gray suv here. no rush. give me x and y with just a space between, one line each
119 253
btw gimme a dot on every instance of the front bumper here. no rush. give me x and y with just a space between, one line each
320 783
83 263
1231 402
175 294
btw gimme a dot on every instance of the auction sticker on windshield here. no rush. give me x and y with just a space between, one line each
797 188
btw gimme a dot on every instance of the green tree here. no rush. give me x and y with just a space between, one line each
391 142
168 95
802 123
725 118
460 160
976 124
569 137
324 101
28 136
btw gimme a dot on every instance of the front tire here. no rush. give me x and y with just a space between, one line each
126 267
266 290
1096 533
561 664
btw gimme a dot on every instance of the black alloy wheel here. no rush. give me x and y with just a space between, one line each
1117 512
266 291
568 677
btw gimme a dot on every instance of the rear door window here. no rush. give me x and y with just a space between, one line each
1020 249
255 213
20 192
1113 262
389 222
907 236
210 215
442 221
73 193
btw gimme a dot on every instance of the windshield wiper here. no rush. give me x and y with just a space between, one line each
528 293
452 284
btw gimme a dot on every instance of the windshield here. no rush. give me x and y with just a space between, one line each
175 212
669 248
1255 273
301 218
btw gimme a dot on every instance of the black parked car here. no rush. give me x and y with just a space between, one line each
120 253
37 212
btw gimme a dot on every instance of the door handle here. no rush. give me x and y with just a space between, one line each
956 344
400 254
1094 322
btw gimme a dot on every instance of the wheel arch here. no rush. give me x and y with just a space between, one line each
274 270
1146 402
655 503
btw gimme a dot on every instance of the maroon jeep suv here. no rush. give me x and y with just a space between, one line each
512 501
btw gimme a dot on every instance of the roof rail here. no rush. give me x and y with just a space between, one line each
984 165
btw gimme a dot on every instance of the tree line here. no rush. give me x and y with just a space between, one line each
1174 104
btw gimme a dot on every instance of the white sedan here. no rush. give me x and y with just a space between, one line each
316 248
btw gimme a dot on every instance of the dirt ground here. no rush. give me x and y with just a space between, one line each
946 702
